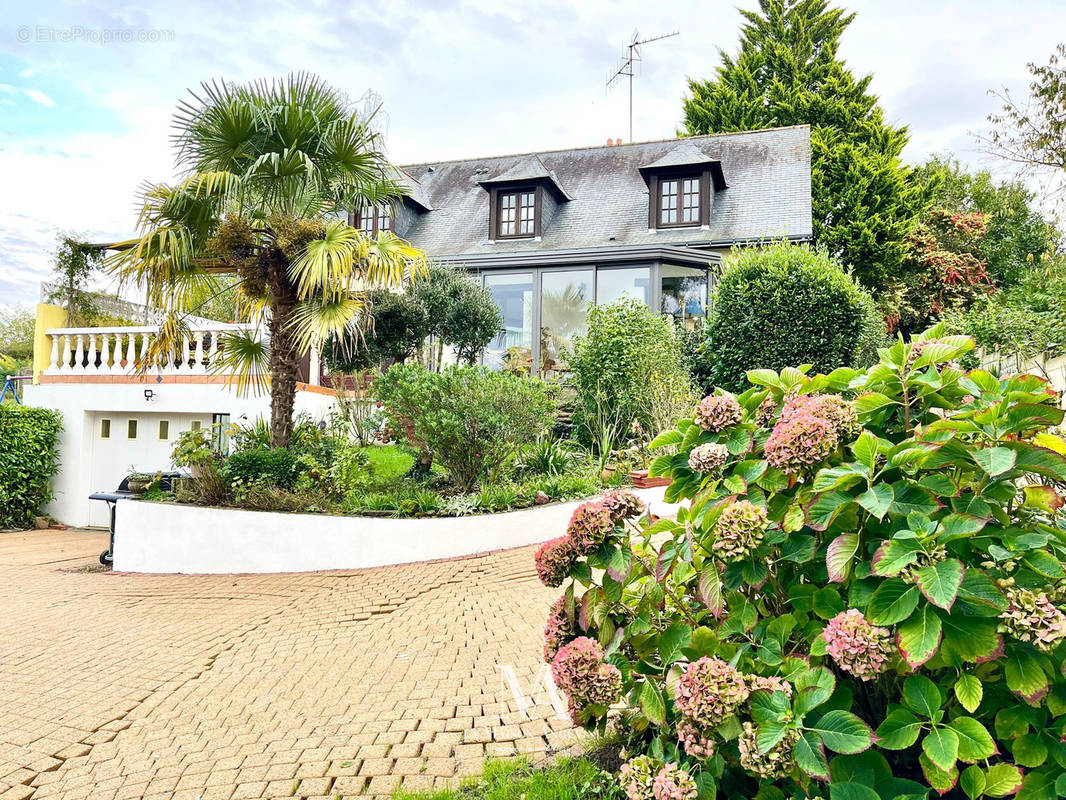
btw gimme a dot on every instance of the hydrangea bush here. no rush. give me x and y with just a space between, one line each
859 599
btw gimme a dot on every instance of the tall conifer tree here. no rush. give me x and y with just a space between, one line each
787 72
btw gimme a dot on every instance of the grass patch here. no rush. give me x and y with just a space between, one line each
388 463
518 779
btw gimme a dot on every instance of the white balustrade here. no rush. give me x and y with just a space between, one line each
119 350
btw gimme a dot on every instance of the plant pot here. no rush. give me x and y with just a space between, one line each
640 479
137 486
608 473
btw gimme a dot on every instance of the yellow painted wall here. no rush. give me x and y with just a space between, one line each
48 316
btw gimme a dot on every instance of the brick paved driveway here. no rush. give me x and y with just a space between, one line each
215 687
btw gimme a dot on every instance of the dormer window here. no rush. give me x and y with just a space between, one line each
374 219
679 201
516 214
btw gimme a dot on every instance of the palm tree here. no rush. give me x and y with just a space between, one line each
269 173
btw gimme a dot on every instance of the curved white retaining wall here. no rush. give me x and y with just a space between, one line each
167 537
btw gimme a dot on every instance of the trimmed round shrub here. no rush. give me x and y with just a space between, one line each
877 616
785 305
28 460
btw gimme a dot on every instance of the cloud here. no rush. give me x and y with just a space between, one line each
37 96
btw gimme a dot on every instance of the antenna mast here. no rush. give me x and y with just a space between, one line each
627 66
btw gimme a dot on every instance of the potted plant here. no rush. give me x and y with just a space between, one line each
137 482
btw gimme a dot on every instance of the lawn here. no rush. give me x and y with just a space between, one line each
518 779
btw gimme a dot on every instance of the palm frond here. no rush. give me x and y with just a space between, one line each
244 358
314 321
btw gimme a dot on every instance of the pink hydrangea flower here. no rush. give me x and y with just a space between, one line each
858 647
773 683
800 443
637 776
554 560
580 670
590 524
764 417
623 504
739 530
695 740
717 412
674 783
833 408
1031 617
710 690
558 630
708 458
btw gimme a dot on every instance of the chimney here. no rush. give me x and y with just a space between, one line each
618 141
610 142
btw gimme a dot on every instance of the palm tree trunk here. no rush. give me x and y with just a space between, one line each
284 358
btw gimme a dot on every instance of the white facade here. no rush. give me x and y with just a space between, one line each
116 421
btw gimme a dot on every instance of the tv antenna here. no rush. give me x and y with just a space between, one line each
627 66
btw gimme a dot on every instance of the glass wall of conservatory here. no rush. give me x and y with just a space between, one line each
544 309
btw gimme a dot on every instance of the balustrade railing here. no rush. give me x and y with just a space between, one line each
117 350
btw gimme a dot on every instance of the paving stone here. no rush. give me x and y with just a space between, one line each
223 687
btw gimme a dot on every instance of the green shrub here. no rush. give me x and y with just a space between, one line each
501 497
549 456
401 322
863 589
28 460
274 467
460 312
627 369
472 419
782 305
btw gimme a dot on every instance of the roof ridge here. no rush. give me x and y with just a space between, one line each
539 153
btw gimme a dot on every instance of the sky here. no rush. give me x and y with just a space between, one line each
87 89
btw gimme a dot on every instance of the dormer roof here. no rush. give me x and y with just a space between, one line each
528 169
686 154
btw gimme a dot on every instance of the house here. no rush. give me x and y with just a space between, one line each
549 234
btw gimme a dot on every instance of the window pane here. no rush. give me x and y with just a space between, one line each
164 429
131 429
366 221
684 293
384 218
528 212
612 284
105 429
691 196
514 295
564 301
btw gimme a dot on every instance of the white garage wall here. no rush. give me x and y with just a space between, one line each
82 405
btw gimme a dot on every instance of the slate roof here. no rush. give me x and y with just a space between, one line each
768 195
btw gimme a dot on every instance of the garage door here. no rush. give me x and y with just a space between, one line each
123 443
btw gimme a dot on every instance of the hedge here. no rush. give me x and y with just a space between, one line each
782 305
28 460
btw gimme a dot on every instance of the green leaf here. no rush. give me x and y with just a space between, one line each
673 640
851 791
972 782
895 554
871 401
957 526
1002 780
919 636
813 687
909 497
1025 678
810 755
922 696
865 450
620 564
666 439
833 477
893 601
995 460
941 745
651 703
939 779
899 730
793 518
877 499
710 589
940 582
843 732
969 691
824 509
839 554
975 742
1029 750
768 734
